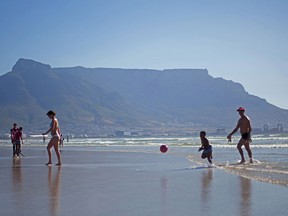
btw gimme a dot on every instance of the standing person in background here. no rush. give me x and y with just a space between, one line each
13 131
54 141
61 140
245 129
18 140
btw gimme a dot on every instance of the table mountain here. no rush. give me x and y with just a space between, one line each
126 97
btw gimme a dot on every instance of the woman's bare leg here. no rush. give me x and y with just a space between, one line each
49 146
58 154
52 142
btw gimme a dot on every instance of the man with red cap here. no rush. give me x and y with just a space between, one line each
245 129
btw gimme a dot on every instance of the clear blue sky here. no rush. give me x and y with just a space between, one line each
245 41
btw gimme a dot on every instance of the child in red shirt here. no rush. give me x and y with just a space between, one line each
18 139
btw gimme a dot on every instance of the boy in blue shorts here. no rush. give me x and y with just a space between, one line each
207 153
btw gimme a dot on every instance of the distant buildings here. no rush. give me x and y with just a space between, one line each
95 131
278 129
122 133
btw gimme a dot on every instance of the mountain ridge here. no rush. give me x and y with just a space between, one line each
126 97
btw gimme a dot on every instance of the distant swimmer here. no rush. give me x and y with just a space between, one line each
245 129
207 153
54 141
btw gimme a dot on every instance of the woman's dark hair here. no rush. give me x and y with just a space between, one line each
50 112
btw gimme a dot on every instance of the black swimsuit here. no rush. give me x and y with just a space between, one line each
246 136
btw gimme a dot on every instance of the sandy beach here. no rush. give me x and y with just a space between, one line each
129 183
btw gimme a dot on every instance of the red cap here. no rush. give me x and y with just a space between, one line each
241 109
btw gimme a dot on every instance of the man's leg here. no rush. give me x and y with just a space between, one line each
14 149
247 147
239 147
17 150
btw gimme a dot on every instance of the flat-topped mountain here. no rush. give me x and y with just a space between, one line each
126 97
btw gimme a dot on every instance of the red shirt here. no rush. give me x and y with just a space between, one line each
18 135
13 133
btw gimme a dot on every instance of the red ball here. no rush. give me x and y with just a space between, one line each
163 148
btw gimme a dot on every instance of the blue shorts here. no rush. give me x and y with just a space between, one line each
207 151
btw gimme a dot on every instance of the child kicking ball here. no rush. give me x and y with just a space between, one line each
207 153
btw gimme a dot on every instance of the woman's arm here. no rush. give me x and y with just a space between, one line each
51 128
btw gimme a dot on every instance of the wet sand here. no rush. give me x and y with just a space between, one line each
129 183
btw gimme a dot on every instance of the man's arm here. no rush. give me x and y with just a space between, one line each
234 131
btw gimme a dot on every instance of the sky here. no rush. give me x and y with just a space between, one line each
241 40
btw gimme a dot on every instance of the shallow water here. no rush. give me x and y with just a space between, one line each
270 153
137 179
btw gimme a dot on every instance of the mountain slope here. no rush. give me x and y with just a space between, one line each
33 88
126 97
181 95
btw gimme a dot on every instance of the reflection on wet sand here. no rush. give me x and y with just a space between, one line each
17 179
206 180
245 204
164 187
17 175
54 184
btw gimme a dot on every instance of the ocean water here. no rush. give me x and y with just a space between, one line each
270 153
